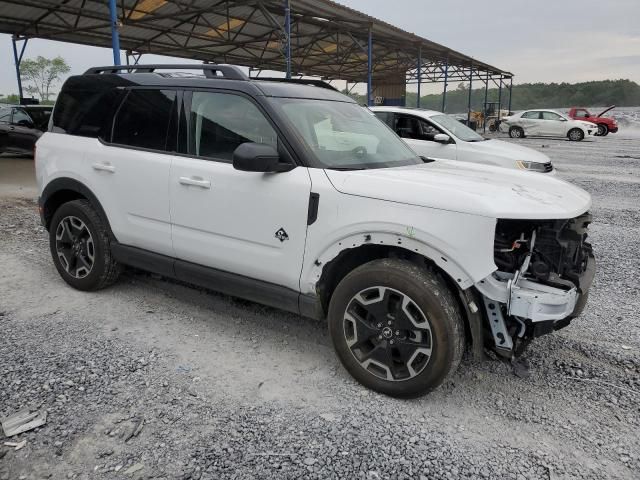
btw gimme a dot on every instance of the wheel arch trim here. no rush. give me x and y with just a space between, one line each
61 184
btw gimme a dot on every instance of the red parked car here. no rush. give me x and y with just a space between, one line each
605 125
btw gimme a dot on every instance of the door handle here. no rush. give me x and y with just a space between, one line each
195 181
105 167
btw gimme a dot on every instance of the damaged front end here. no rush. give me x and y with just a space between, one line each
545 270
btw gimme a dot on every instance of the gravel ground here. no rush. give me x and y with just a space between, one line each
154 379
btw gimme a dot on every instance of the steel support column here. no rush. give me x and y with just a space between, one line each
18 60
510 93
419 75
370 101
115 35
470 90
500 93
287 29
484 108
444 91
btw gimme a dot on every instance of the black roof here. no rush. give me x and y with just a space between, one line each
232 78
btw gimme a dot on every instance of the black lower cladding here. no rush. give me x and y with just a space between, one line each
220 281
561 256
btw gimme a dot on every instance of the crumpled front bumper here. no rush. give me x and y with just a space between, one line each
535 301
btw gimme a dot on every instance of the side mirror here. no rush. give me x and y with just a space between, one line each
259 157
441 138
25 123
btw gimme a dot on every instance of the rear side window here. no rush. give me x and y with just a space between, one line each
143 119
531 115
86 104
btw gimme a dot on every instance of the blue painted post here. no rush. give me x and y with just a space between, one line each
287 28
370 101
470 90
446 79
419 74
115 35
18 59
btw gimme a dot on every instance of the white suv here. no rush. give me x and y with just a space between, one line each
294 196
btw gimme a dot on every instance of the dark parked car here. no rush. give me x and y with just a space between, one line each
21 126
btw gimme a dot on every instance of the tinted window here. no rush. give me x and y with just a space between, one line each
531 115
550 116
386 117
86 105
220 122
40 117
143 119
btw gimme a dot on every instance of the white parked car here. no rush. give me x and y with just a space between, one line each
436 135
546 123
296 197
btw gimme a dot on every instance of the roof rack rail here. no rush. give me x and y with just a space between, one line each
210 70
302 81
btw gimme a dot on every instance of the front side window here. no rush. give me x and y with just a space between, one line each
344 135
220 122
581 114
551 116
457 128
531 115
5 115
143 119
19 115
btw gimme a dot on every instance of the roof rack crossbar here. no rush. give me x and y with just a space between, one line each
210 70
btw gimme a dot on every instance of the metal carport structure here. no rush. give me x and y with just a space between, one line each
300 37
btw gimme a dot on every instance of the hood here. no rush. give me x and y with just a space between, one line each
468 188
606 110
512 151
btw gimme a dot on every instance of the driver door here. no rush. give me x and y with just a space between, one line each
419 135
552 125
248 223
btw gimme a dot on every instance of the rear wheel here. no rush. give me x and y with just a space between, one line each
81 247
603 130
575 135
396 327
516 132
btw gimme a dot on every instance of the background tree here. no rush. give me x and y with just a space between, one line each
41 74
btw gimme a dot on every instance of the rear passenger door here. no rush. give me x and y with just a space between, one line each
531 123
248 223
130 170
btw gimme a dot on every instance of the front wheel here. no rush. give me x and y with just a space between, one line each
81 247
516 132
396 327
575 135
603 130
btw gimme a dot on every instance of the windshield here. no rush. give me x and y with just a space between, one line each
345 135
459 130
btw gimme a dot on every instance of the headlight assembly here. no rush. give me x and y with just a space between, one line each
532 166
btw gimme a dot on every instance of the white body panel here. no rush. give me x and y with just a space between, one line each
230 223
489 152
132 185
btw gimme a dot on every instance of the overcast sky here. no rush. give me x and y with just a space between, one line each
537 40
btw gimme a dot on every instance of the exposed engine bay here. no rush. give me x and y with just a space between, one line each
545 270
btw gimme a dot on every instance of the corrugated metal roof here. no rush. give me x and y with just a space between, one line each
327 39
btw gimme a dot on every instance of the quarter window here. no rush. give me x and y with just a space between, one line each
220 122
143 119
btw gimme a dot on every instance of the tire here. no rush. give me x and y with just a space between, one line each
81 247
603 130
396 312
575 135
516 132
